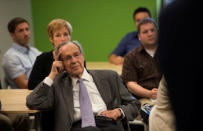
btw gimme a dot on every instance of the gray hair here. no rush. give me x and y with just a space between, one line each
145 21
68 42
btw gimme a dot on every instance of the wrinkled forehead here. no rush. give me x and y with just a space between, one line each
69 49
147 25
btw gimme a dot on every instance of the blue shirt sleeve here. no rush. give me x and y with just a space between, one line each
13 66
129 42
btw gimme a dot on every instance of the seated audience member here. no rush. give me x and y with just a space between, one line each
84 100
180 55
18 60
140 71
14 122
58 31
130 41
162 116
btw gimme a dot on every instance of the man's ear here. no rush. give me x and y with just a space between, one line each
138 36
12 35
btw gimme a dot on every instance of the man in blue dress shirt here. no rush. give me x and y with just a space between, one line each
19 58
130 41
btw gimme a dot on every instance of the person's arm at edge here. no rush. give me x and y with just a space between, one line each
116 57
138 90
21 81
130 106
42 96
117 60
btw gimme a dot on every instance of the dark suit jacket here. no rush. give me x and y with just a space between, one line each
60 97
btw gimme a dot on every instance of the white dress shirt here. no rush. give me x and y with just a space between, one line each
98 104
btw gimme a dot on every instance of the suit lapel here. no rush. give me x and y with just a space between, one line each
103 87
67 92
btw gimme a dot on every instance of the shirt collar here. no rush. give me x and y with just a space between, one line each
141 48
85 76
20 48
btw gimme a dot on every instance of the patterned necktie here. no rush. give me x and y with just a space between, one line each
85 106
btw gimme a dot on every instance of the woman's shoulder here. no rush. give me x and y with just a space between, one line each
45 55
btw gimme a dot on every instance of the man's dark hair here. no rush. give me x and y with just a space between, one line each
14 22
141 9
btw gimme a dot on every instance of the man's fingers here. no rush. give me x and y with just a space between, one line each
58 66
58 57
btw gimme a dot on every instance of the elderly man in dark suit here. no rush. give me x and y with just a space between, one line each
110 101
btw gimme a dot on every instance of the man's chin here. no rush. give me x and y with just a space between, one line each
76 73
24 43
